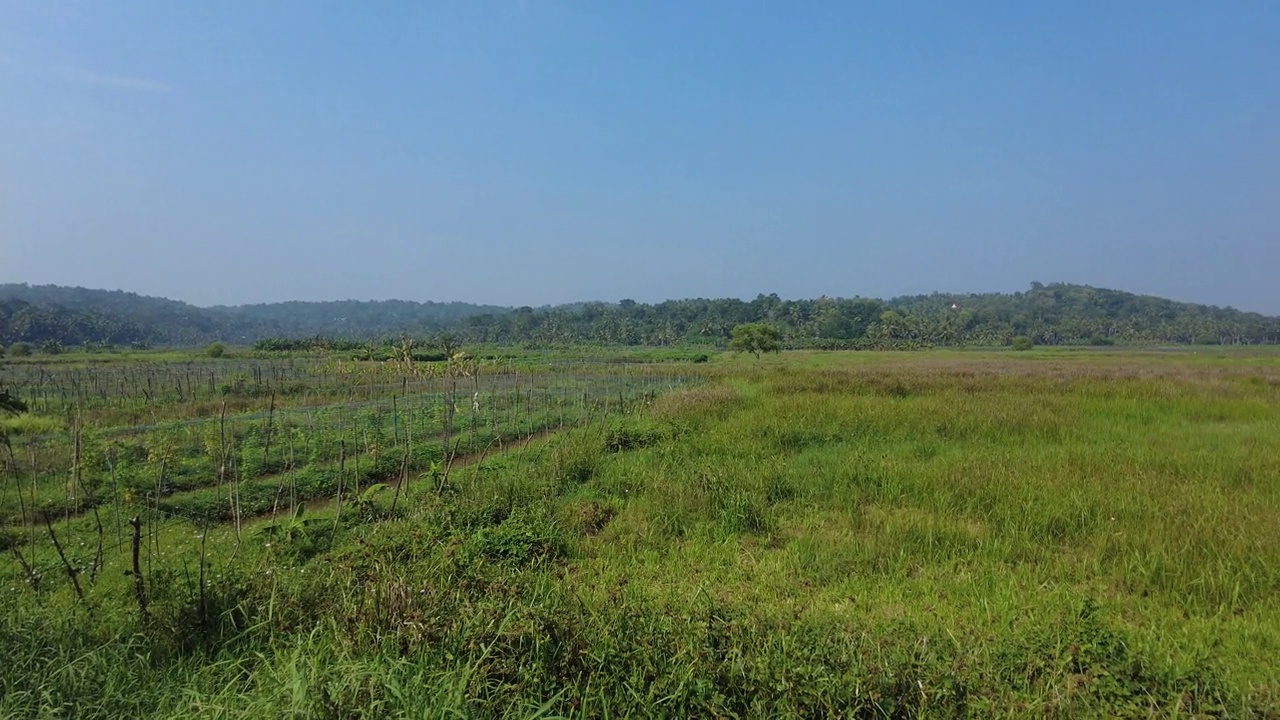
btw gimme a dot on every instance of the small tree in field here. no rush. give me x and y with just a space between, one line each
756 338
215 350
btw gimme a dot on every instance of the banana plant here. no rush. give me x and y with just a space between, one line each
365 503
292 528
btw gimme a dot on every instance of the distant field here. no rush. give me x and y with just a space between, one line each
947 533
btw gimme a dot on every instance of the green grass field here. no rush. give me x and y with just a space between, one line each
937 534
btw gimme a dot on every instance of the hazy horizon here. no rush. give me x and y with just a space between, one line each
540 153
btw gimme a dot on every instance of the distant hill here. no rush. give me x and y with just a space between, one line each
74 315
359 319
1055 314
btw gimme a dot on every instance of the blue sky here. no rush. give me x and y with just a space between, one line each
532 152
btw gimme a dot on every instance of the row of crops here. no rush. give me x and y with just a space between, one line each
347 430
123 393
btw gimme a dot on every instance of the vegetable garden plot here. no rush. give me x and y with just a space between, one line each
347 429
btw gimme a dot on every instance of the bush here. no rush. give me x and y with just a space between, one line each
20 349
632 436
313 482
1022 342
51 347
215 350
525 536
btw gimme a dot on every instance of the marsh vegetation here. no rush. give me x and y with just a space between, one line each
806 534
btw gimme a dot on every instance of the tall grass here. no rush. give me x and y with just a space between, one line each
818 535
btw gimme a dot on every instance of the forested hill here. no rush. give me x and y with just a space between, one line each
1056 314
74 316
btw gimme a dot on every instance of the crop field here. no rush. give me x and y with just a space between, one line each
813 534
251 436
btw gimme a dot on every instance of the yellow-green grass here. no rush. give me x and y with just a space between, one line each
816 534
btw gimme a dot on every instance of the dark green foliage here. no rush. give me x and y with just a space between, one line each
36 313
1055 314
215 350
316 481
1022 342
632 434
524 536
756 338
9 403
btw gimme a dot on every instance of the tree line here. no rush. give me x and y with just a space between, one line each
47 314
1054 314
1057 314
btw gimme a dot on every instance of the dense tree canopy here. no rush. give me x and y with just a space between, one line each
756 338
76 316
1056 314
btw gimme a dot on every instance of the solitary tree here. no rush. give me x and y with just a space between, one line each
756 338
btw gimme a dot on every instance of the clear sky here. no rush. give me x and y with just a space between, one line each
546 151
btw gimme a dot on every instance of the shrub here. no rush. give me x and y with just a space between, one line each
20 349
215 350
51 347
314 482
632 436
1022 342
525 536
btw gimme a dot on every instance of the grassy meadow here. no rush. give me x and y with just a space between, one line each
827 534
